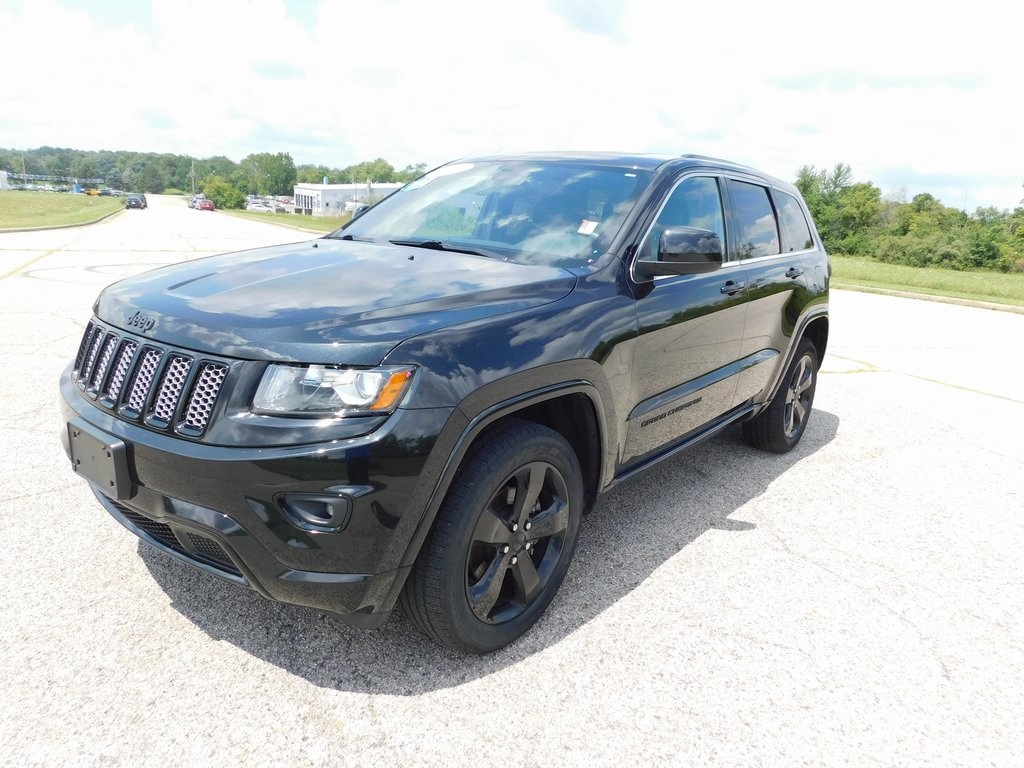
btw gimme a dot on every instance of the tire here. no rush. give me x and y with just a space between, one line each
502 541
779 427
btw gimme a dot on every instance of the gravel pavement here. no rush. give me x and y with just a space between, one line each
855 602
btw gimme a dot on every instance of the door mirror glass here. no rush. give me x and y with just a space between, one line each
684 251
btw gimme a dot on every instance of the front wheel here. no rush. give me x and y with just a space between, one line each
502 541
780 426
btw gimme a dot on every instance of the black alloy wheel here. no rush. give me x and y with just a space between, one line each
502 541
799 395
779 427
517 542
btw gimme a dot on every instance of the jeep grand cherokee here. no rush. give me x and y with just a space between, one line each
418 408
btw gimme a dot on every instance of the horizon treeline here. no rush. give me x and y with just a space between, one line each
261 173
853 217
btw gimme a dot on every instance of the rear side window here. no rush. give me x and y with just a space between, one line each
757 233
796 235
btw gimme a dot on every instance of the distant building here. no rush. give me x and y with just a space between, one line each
336 199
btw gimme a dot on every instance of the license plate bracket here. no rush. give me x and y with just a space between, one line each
101 459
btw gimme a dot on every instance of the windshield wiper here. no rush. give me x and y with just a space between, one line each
438 245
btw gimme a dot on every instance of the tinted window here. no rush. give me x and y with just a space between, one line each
757 234
796 235
695 202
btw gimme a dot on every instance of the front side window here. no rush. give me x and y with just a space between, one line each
695 202
554 213
757 233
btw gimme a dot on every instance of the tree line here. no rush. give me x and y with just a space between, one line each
854 219
261 173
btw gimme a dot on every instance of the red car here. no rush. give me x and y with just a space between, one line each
206 205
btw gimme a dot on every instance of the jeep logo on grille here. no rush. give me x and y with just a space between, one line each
143 322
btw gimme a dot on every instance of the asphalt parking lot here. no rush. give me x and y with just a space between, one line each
855 602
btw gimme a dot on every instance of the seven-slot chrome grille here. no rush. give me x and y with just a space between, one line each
166 389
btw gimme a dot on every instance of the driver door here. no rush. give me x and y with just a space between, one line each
690 332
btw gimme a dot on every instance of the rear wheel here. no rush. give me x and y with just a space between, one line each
780 427
502 541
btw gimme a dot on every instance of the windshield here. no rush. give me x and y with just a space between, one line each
554 213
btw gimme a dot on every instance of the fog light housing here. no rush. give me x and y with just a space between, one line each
316 512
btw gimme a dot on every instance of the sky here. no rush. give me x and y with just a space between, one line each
915 97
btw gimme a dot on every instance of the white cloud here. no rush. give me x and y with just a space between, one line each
906 95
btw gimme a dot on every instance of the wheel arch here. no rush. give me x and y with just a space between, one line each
574 409
814 327
574 416
817 331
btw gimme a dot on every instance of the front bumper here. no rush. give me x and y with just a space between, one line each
231 511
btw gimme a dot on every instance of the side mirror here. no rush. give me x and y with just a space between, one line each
684 251
360 210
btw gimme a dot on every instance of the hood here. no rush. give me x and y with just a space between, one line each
323 301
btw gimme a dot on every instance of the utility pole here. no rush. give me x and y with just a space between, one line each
192 175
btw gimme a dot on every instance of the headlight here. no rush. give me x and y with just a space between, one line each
320 390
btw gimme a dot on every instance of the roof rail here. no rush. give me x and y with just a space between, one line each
691 156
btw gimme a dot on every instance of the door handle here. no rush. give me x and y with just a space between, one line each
732 287
794 272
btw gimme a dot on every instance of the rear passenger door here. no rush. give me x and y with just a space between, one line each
771 238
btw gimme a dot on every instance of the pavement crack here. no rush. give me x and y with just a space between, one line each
924 641
40 492
871 368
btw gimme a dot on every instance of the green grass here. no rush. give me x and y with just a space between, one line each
996 287
19 210
310 223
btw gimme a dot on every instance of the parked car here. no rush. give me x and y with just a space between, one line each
205 205
419 408
135 200
259 208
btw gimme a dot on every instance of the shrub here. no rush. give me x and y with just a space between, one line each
223 194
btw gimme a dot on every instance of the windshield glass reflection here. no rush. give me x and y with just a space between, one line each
553 213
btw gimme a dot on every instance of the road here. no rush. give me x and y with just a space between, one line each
855 602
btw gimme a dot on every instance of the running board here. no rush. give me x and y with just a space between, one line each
713 429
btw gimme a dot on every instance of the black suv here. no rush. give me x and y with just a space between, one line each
419 407
135 200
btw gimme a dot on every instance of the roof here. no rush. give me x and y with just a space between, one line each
613 159
649 162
